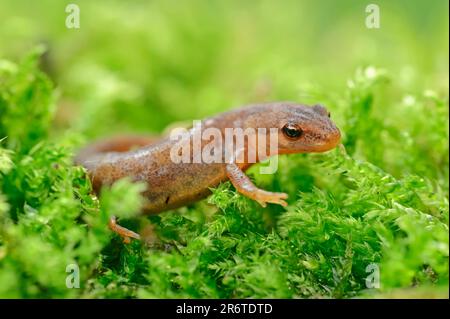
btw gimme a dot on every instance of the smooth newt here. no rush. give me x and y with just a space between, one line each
300 129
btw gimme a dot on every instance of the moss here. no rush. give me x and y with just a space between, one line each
378 203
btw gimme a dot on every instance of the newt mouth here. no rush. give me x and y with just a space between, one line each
331 142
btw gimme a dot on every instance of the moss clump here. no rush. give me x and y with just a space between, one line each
381 202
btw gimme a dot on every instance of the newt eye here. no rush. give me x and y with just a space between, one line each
329 114
292 131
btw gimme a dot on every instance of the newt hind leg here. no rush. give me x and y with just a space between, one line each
123 232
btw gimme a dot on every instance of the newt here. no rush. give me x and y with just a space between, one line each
299 129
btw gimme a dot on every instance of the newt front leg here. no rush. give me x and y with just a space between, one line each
245 186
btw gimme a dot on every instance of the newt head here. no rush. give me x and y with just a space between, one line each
305 129
301 128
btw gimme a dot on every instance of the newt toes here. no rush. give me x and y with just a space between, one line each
171 184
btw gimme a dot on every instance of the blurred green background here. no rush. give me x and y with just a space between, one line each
137 66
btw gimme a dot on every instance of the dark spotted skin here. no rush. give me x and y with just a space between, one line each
171 185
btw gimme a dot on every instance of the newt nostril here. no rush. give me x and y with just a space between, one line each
336 136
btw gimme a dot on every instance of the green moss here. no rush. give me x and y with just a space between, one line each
379 201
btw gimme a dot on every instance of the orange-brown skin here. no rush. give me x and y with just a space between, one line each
171 185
